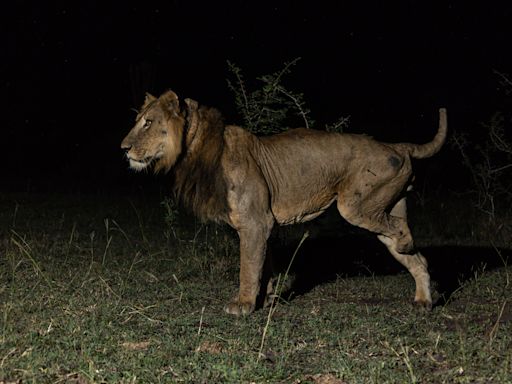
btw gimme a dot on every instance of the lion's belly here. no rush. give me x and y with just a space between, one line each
293 212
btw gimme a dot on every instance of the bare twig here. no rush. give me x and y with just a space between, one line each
298 105
494 330
273 304
200 322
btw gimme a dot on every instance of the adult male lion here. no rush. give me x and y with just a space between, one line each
226 174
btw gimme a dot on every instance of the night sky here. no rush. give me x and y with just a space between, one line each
68 71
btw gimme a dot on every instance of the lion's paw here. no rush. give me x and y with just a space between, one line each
423 305
237 308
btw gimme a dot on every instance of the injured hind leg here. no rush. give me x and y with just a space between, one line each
376 220
416 264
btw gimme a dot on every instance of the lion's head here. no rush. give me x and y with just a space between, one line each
188 139
157 137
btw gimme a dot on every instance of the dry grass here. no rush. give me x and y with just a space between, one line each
99 290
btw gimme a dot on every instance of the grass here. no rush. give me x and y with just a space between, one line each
99 289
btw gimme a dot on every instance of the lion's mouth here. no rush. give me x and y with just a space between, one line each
139 165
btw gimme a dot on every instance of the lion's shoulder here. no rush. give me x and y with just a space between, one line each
238 139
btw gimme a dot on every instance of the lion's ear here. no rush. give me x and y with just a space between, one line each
170 100
191 105
147 100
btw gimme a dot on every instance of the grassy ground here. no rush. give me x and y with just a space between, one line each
97 289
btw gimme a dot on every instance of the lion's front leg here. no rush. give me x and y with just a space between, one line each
253 244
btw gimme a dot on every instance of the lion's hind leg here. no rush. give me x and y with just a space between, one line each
416 263
370 214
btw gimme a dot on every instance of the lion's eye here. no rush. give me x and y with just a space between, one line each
147 124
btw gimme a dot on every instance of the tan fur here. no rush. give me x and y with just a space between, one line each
224 173
161 143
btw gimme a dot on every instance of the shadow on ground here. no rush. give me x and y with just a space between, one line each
323 259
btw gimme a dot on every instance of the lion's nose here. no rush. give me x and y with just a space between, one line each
126 145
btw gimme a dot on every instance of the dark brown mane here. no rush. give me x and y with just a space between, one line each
198 176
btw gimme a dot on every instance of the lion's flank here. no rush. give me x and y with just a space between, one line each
198 176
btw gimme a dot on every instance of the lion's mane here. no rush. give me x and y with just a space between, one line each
198 175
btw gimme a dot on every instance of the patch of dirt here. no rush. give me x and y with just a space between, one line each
211 347
136 346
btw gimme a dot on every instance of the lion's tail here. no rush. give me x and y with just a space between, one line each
422 151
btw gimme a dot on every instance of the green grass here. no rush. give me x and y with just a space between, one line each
99 290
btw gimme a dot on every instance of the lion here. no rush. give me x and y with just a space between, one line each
226 174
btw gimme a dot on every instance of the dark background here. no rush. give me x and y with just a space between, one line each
71 72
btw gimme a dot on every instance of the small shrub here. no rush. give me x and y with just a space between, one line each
339 125
266 110
488 158
272 107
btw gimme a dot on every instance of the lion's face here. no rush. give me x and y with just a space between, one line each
157 137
